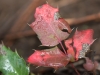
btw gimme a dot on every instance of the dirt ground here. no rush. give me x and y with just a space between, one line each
11 10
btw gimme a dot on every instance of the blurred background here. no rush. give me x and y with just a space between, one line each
15 15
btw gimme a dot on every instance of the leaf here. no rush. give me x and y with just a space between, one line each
70 51
81 43
48 25
11 63
49 58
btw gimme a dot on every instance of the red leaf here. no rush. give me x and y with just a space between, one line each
81 42
49 58
70 51
48 26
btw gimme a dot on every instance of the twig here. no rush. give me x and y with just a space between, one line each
75 69
77 21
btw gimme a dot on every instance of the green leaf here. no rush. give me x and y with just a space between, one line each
11 63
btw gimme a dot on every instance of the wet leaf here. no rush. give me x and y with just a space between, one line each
11 63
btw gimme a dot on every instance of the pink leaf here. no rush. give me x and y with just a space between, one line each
48 26
70 51
80 38
49 58
81 43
